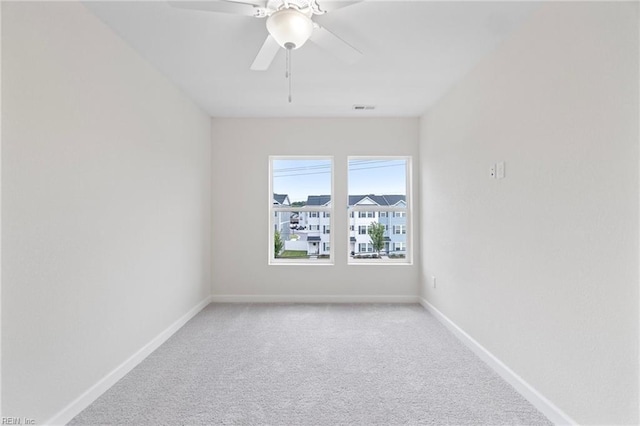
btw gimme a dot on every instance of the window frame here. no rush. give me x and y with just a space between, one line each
323 211
272 260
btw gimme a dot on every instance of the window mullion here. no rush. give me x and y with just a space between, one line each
376 209
300 209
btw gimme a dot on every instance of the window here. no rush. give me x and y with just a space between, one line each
399 246
378 210
379 186
301 188
365 248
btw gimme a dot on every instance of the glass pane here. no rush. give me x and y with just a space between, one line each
382 236
378 177
304 182
375 234
301 235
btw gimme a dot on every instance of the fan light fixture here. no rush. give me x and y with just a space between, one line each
289 25
290 28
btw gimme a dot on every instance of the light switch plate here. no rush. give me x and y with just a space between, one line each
500 170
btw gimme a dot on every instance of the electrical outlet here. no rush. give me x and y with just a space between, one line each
492 171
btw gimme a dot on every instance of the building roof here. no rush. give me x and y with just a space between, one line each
318 200
281 198
313 239
381 200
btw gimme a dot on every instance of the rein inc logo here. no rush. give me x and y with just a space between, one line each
17 421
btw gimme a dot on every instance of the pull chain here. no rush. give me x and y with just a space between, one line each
287 74
286 71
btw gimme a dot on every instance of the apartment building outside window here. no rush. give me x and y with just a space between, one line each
379 191
301 189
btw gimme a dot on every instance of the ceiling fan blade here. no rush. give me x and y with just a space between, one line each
335 45
224 6
266 54
328 6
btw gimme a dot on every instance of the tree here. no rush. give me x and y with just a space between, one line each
298 204
376 234
278 244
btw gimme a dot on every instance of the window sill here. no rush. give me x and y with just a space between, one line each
378 262
300 263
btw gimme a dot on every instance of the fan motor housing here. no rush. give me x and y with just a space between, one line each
308 7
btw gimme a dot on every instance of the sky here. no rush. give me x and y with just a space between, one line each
300 178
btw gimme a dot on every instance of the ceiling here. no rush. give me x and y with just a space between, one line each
413 53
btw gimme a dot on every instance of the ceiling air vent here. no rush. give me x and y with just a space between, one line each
363 107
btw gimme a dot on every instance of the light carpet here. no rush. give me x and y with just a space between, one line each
312 364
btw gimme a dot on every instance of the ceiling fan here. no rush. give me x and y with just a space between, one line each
289 25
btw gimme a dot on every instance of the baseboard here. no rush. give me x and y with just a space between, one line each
84 400
545 406
273 298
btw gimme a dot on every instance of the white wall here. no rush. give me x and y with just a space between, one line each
541 268
106 197
0 209
241 196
